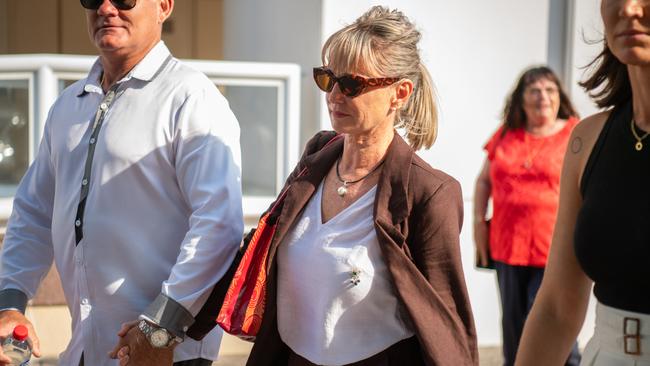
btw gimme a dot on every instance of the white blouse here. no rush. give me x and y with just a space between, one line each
336 300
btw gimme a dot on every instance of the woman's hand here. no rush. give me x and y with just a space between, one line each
482 192
482 242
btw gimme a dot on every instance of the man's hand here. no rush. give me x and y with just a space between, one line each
133 348
9 319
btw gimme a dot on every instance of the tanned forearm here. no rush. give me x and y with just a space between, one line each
549 334
482 192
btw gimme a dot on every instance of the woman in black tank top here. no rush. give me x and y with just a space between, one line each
612 234
602 234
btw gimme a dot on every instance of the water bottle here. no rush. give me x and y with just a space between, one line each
16 346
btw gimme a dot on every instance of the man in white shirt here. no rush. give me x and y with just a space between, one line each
135 193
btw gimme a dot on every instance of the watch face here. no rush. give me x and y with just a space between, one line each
159 338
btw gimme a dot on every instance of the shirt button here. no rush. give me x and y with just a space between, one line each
84 182
77 223
103 106
92 140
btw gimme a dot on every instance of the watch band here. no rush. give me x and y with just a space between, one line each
147 329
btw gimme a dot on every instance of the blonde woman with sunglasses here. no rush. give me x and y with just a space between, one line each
365 263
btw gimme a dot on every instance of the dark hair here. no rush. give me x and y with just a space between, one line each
610 74
514 115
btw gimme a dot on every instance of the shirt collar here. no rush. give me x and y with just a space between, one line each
145 70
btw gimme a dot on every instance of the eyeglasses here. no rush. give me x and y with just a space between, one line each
119 4
350 85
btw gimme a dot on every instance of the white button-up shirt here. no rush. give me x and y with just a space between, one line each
163 211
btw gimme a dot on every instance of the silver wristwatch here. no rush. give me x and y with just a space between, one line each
158 337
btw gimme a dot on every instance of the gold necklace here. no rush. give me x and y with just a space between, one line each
530 157
639 145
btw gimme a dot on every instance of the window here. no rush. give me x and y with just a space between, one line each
263 96
14 132
65 81
256 108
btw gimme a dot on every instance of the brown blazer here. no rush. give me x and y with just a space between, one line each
418 215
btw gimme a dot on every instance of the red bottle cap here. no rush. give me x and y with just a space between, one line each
20 333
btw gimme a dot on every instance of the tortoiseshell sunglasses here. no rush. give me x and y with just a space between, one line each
350 85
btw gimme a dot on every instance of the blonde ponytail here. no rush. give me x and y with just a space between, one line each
419 118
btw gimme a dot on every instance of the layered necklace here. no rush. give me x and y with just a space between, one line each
343 190
639 144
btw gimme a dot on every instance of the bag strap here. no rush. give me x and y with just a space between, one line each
205 319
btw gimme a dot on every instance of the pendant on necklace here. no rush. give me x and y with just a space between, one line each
639 144
342 190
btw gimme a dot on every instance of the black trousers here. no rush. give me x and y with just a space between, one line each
518 286
194 362
404 352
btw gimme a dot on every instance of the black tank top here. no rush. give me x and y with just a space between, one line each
612 233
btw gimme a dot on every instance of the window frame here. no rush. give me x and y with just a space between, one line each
44 73
6 202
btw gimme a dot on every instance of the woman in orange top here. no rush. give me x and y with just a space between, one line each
522 175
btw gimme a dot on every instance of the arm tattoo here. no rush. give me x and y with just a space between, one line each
576 145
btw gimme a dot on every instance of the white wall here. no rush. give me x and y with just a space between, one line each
278 31
587 29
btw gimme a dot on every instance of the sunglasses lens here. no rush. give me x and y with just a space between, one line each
124 4
91 4
120 4
323 80
350 86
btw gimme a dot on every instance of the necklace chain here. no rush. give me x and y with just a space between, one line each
639 144
342 190
530 157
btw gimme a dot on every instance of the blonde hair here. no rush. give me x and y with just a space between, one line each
386 42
